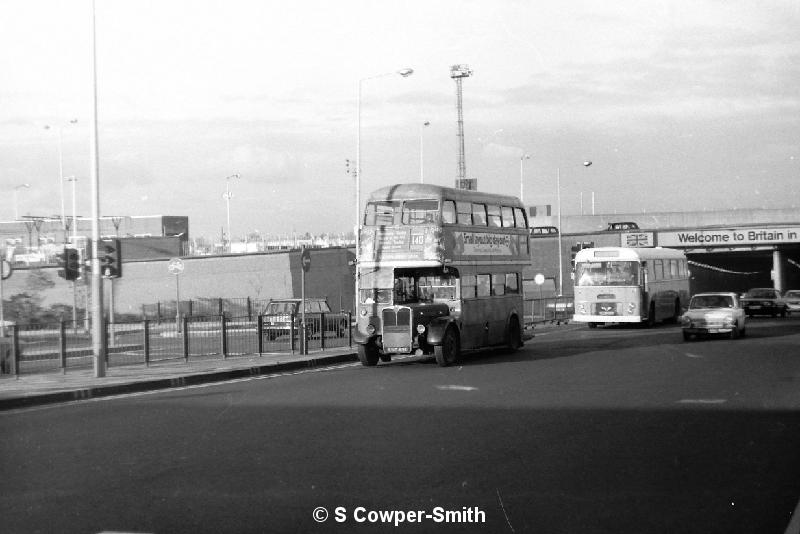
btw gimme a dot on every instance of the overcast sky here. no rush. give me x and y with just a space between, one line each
679 105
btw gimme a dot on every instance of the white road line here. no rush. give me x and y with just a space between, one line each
702 401
690 355
453 387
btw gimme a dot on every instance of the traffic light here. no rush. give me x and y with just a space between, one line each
110 259
70 263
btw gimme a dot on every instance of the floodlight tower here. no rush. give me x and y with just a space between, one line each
458 72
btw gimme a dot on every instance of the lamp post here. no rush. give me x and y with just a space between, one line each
60 131
227 196
16 199
560 244
74 225
522 158
421 160
405 73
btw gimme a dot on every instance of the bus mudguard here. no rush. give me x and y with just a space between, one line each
437 328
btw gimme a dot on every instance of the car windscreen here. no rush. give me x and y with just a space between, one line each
711 301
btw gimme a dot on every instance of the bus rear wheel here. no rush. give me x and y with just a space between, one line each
514 334
368 355
447 353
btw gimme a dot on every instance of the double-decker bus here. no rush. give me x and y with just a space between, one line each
439 271
629 285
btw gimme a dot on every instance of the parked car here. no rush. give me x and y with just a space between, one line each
714 313
792 300
278 313
764 301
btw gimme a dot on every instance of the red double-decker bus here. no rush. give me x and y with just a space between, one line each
439 271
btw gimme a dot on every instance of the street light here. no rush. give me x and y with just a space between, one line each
16 199
522 158
421 161
227 196
73 179
560 245
61 168
405 73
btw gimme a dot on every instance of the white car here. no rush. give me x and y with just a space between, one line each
792 300
714 313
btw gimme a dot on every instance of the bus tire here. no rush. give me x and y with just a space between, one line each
386 358
513 334
447 352
592 325
678 311
368 355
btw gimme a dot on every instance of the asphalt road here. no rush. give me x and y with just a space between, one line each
613 429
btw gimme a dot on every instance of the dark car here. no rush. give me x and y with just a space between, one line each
764 301
278 315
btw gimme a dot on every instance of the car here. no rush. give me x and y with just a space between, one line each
764 301
278 313
713 313
792 300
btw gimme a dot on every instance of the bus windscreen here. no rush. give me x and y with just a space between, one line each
607 273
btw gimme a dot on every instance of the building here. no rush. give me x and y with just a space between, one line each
728 250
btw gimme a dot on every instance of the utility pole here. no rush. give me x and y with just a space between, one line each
459 72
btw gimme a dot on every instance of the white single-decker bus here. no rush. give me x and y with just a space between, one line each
629 285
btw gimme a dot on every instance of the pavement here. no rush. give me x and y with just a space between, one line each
74 384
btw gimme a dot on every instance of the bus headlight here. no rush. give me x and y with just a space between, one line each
363 312
370 329
582 308
420 328
631 308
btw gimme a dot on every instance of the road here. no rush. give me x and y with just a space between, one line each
615 429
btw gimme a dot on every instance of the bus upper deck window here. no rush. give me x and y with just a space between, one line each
479 214
420 211
379 214
449 212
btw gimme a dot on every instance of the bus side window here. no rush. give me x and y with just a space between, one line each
520 221
468 283
658 270
498 285
508 217
464 212
484 285
494 216
512 282
479 214
449 212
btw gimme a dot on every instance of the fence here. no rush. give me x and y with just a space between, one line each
38 348
200 307
160 336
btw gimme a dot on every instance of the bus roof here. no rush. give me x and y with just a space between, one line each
420 191
622 253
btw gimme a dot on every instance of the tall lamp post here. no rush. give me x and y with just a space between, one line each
60 130
74 224
227 196
405 73
421 159
560 244
522 158
16 199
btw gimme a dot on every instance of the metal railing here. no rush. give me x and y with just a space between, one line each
552 309
49 347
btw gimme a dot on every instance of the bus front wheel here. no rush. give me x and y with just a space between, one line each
368 355
447 353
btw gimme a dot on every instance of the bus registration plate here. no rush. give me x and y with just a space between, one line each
397 349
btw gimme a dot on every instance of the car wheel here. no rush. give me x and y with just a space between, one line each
592 325
686 336
447 353
368 355
735 332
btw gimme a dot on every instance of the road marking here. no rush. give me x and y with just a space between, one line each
456 388
702 401
690 355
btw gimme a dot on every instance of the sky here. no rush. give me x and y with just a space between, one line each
680 105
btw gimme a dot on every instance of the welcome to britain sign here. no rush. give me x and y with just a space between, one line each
729 237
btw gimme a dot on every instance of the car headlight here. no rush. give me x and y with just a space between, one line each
420 328
728 322
686 322
370 329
